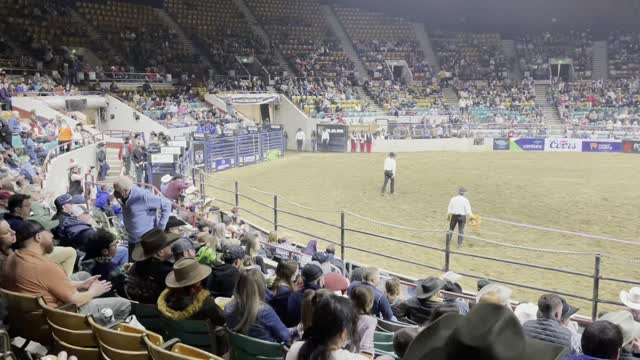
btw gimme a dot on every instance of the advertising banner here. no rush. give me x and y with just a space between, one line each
563 145
527 144
601 146
338 135
224 164
631 147
198 153
500 144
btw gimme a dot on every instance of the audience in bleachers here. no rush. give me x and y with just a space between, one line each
420 97
471 56
624 55
323 97
535 51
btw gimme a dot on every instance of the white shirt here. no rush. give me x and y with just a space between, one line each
390 165
325 136
459 205
300 135
335 355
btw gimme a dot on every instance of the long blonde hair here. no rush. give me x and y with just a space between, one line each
253 244
248 299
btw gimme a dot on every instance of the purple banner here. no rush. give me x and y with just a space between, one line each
526 144
224 164
601 146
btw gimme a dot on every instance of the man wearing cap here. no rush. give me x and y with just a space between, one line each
381 307
164 183
28 271
458 213
139 209
72 231
151 256
547 326
313 279
389 173
223 277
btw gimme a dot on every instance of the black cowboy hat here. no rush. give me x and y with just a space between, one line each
488 332
426 288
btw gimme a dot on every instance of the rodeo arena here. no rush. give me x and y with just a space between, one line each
319 180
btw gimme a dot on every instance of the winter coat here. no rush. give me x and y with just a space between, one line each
202 307
223 280
548 330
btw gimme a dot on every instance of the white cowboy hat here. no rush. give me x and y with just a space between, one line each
632 298
190 190
624 319
165 179
451 276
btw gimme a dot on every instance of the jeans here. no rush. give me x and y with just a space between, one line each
126 161
459 220
104 168
299 145
121 307
388 175
139 173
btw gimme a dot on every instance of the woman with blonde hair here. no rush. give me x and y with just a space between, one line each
208 254
249 314
252 249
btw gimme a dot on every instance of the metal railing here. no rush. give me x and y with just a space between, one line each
273 210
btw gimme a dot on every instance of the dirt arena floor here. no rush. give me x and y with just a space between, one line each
589 193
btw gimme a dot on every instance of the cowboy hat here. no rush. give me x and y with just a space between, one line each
488 332
190 190
151 242
462 190
632 298
624 319
166 178
426 288
187 272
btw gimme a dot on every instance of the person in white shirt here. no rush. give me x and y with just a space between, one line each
324 140
459 210
390 172
300 137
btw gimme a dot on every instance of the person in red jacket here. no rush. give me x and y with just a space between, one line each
362 141
354 142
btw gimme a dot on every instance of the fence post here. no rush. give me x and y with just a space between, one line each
447 253
202 184
237 194
275 212
342 237
596 288
193 176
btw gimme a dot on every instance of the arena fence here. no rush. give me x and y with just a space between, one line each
272 211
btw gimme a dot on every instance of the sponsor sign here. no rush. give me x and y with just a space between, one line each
526 144
563 145
500 144
171 150
198 153
162 158
180 143
338 136
247 159
223 164
601 146
631 147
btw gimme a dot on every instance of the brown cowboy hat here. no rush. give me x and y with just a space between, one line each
187 271
151 242
488 332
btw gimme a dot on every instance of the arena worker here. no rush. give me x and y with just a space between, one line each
300 138
389 173
459 210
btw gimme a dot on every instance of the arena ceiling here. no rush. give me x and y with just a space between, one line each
514 16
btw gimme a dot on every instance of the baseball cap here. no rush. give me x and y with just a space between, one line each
27 229
234 253
62 200
181 246
311 273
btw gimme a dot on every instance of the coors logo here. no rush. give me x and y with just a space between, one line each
569 145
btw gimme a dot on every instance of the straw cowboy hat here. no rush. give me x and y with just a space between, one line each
165 179
632 298
624 319
186 272
488 332
151 242
190 190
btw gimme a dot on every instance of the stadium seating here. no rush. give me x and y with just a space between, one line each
624 55
323 97
302 34
417 98
471 56
535 50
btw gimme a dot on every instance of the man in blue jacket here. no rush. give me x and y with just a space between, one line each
313 279
71 231
140 209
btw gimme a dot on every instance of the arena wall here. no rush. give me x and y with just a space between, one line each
124 119
42 108
420 145
292 118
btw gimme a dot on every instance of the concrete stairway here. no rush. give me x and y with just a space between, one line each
600 60
115 165
345 41
262 34
373 107
168 21
93 34
509 50
426 46
450 97
551 116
